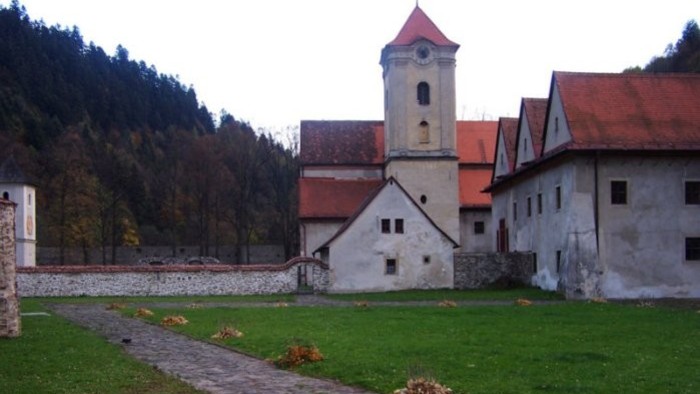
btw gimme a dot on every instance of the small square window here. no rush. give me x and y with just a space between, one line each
398 226
386 226
426 259
692 249
618 192
539 203
529 207
557 195
478 227
692 192
390 267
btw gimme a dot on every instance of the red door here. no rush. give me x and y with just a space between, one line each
502 236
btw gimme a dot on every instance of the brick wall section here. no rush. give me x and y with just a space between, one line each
479 270
51 281
10 325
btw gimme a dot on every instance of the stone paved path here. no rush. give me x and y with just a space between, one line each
205 366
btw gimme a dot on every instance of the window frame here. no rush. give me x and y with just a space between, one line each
692 249
479 227
391 262
385 226
398 226
515 211
557 198
618 197
692 197
423 93
539 203
529 206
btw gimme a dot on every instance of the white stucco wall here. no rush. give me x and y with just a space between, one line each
25 223
556 136
469 241
502 165
313 234
357 258
526 152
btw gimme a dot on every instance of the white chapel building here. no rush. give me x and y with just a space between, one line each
18 188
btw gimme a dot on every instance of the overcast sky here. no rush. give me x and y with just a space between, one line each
276 62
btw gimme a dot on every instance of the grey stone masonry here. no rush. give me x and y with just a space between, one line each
10 325
479 270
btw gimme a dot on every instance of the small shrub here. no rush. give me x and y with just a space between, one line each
115 306
297 355
281 304
523 302
423 386
227 332
143 312
447 304
194 305
173 320
361 304
599 300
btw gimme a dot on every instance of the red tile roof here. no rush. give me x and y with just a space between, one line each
471 182
341 142
536 110
631 111
418 26
510 135
476 141
325 198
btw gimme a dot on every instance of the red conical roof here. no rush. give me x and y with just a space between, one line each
419 26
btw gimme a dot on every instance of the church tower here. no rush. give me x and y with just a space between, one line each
420 118
16 187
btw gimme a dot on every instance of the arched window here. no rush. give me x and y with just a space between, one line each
423 93
5 196
424 133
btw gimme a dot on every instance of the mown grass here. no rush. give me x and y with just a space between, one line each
53 356
167 299
558 348
455 295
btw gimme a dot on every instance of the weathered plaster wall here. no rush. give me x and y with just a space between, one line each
479 270
169 280
10 325
469 241
357 258
642 243
313 234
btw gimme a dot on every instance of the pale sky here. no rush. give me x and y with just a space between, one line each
275 62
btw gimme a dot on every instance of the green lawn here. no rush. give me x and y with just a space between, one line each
53 356
454 295
560 348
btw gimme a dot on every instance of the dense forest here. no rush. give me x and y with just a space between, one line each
123 155
682 57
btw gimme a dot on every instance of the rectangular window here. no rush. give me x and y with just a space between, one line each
515 211
398 226
539 203
557 193
692 192
692 249
478 227
558 261
386 226
534 263
618 192
529 207
426 259
390 267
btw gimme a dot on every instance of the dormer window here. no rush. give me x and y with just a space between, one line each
423 93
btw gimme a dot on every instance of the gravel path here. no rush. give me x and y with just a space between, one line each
205 366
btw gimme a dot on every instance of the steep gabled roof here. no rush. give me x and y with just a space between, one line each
418 26
327 198
11 173
508 133
536 110
634 111
471 182
368 200
476 141
341 142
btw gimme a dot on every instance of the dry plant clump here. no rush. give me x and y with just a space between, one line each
173 320
447 304
297 355
361 304
523 302
194 305
599 300
115 305
423 386
143 312
227 332
281 304
645 304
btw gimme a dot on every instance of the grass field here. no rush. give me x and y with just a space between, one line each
561 348
455 295
53 356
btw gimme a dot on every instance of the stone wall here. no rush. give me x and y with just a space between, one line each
126 255
479 270
51 281
10 325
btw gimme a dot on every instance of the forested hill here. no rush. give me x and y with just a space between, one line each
122 155
683 57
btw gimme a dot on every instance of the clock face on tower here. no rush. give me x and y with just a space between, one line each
423 54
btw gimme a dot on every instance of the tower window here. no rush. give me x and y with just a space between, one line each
423 93
424 135
5 196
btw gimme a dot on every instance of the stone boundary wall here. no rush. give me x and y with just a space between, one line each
10 323
479 270
54 281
